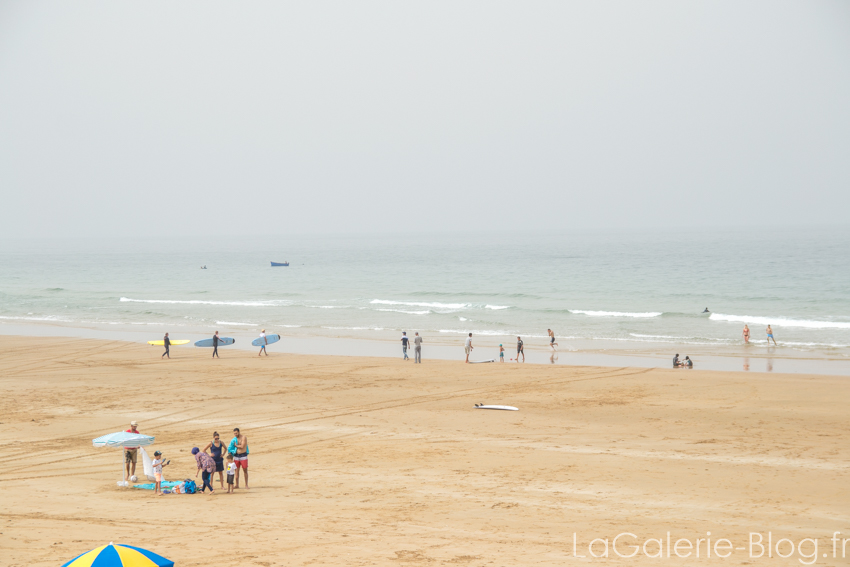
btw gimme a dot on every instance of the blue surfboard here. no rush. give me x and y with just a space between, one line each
223 341
269 340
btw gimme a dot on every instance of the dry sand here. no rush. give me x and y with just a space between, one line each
366 461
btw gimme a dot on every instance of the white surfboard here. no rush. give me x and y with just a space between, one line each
506 408
481 361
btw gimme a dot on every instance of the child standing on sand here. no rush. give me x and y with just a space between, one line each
158 462
231 473
501 353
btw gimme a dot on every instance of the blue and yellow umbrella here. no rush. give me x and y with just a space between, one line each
119 556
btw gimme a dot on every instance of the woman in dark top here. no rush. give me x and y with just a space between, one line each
216 449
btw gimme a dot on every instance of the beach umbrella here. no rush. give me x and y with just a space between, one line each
119 556
123 439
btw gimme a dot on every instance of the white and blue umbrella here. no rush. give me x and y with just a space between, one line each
123 439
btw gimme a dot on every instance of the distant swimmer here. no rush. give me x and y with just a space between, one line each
770 336
467 348
519 349
706 310
552 342
167 342
264 341
746 334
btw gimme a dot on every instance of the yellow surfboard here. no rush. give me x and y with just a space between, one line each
161 342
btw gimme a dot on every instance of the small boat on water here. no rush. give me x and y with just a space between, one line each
279 264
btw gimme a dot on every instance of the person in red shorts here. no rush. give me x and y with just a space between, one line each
238 447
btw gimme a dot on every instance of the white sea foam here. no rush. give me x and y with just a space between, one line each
355 328
462 318
407 312
615 313
485 333
232 324
780 321
271 303
434 304
497 307
48 318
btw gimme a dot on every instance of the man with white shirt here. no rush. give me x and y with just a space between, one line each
417 349
468 347
263 343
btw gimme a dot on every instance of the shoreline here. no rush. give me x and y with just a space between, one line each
572 353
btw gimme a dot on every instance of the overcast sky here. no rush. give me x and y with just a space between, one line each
192 118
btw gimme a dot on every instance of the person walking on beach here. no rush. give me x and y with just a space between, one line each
131 453
239 449
205 464
519 349
417 349
746 334
167 342
404 343
770 336
263 342
552 342
216 340
468 346
216 447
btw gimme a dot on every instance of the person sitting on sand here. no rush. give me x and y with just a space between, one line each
688 362
205 463
676 363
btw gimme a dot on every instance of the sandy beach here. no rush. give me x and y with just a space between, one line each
377 461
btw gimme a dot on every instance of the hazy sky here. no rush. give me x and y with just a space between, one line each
193 118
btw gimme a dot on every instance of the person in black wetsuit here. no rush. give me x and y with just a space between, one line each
215 345
167 342
216 449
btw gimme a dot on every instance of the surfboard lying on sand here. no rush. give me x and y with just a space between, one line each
223 341
269 340
506 408
481 361
161 342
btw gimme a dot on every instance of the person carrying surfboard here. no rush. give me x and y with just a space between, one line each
215 340
167 342
263 343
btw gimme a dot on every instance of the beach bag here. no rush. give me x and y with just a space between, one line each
189 486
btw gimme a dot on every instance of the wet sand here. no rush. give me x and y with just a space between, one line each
376 461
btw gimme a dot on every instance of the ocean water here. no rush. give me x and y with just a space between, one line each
594 289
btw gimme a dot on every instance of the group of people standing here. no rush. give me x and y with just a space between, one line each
214 458
236 455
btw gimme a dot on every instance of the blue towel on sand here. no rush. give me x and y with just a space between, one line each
152 485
